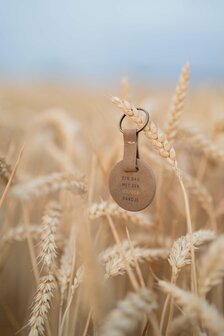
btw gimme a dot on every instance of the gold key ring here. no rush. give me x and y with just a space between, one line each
146 120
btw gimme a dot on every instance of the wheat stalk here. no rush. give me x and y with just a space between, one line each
180 251
47 285
104 208
178 103
211 268
50 223
157 138
115 263
41 305
46 185
129 312
199 309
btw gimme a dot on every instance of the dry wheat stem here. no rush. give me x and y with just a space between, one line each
128 313
211 268
137 267
103 208
11 176
199 309
30 244
46 185
190 232
66 281
64 276
131 275
202 194
78 279
178 103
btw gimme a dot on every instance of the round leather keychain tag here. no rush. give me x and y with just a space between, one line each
132 182
135 190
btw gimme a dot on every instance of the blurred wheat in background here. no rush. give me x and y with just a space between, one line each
72 261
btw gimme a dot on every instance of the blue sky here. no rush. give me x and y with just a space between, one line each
103 40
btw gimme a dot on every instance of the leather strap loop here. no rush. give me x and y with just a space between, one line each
130 150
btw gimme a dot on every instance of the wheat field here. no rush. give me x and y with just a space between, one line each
72 262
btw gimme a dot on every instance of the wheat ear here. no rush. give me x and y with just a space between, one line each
115 263
159 141
42 299
125 318
197 308
46 185
180 251
41 305
178 103
181 255
50 224
103 209
211 268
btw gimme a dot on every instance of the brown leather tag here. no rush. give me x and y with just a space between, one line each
130 150
132 190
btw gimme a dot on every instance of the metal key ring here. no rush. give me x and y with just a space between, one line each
146 120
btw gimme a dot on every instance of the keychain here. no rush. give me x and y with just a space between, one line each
132 182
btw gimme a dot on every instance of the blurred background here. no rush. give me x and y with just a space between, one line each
97 42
